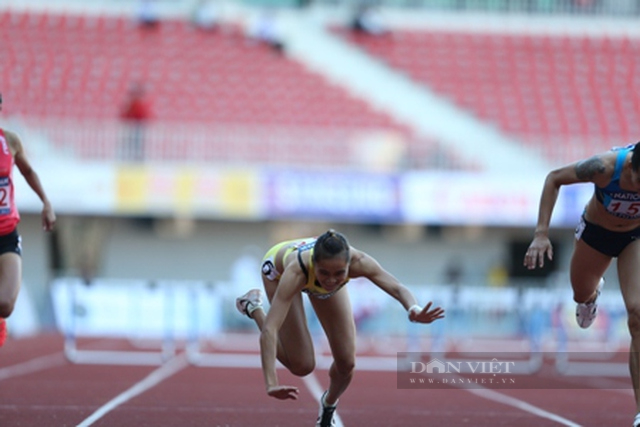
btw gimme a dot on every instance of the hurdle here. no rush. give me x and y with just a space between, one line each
112 309
600 362
206 299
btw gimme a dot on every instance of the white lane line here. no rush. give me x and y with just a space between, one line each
522 405
376 364
162 373
33 365
313 385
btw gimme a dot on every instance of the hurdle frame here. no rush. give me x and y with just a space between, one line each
167 350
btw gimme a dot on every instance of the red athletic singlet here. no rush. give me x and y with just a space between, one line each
9 216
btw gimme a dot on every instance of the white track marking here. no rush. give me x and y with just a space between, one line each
381 364
313 385
522 405
162 373
33 365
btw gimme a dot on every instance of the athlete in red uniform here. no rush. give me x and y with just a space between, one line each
12 152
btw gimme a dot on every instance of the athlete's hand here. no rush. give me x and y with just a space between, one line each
283 392
48 217
539 247
426 315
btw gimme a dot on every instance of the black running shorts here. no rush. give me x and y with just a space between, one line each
608 242
11 243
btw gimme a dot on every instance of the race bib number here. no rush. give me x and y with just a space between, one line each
630 209
5 196
269 270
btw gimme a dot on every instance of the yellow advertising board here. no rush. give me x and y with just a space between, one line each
192 191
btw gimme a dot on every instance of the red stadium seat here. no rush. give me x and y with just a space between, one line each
545 90
80 67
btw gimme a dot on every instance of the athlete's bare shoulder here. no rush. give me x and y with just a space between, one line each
15 145
290 260
597 169
9 135
360 264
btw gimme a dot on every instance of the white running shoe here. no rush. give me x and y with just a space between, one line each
586 313
636 420
249 302
325 415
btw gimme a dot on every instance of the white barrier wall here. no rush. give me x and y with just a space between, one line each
137 309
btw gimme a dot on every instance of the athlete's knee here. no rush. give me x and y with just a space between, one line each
302 368
633 319
584 290
345 366
6 307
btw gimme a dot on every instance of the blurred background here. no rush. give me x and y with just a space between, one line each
179 139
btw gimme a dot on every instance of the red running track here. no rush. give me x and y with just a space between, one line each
39 387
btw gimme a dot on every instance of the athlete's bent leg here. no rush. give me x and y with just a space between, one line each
587 268
629 277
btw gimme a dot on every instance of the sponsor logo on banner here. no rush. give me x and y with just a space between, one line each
345 196
455 198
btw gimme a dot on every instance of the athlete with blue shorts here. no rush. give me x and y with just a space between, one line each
320 267
609 228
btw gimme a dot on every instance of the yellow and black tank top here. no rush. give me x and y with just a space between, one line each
312 287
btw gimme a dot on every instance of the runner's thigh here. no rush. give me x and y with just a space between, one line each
336 317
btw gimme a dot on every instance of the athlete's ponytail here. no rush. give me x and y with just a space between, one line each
330 245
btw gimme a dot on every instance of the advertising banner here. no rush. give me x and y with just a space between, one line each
76 188
426 197
344 196
462 198
200 192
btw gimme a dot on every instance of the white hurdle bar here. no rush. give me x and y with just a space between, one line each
166 351
204 301
587 364
194 355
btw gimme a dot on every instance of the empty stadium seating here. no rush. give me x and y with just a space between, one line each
80 67
566 96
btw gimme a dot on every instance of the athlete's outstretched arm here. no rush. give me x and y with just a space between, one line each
366 266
